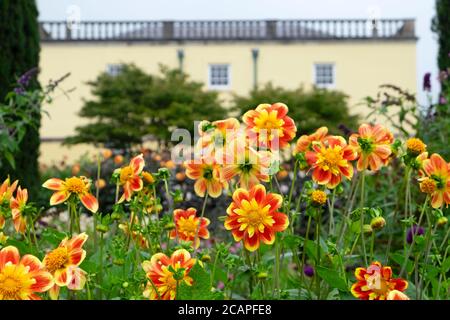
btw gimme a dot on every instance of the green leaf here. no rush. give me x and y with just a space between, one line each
332 278
445 265
201 286
400 259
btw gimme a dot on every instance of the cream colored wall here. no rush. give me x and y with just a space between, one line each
361 66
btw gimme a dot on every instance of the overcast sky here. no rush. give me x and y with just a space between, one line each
421 10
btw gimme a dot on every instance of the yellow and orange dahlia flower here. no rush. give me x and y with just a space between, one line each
270 126
435 180
253 216
206 172
373 145
160 271
305 142
20 278
376 282
63 263
130 179
189 227
78 186
330 160
18 205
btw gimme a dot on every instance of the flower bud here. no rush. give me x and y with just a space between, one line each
148 178
318 198
377 223
262 275
102 228
125 285
106 154
169 226
442 221
119 262
367 229
415 146
118 159
308 271
206 258
116 216
100 183
180 176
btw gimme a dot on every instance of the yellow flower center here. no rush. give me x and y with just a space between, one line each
14 282
56 259
126 173
75 185
415 146
254 217
331 159
269 121
188 226
428 186
377 284
319 197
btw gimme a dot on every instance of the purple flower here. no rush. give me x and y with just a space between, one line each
25 79
442 100
308 271
414 230
427 82
220 285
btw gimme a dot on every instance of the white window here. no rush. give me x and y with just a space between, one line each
219 76
114 69
324 75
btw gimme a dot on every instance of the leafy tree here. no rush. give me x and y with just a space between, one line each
309 109
19 52
441 25
133 104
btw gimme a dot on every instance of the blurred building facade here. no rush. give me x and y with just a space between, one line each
354 56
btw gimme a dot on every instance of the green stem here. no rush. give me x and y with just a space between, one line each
213 272
100 263
331 209
304 247
411 246
318 223
372 243
97 193
292 187
200 222
363 242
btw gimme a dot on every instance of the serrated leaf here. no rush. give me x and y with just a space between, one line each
332 278
201 286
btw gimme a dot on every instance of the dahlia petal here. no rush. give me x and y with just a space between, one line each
268 236
32 262
9 254
136 184
321 176
43 281
90 202
238 235
76 256
251 243
214 188
137 164
54 184
62 277
59 197
78 241
400 284
200 187
54 292
437 200
359 273
78 279
258 193
281 222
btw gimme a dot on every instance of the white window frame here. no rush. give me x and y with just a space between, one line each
215 86
117 67
323 85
